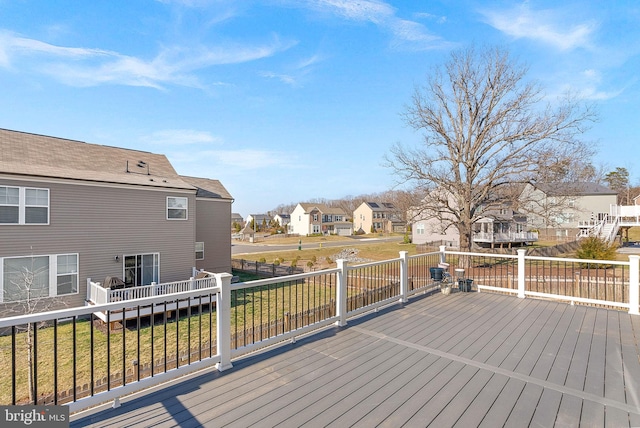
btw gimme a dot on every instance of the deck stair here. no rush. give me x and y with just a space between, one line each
608 227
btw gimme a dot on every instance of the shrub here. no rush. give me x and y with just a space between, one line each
328 260
407 239
309 264
276 262
314 259
594 248
262 260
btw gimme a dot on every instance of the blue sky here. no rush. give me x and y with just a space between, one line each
290 100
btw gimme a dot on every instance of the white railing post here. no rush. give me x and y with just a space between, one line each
634 284
404 276
192 283
443 257
223 314
154 288
90 291
521 272
341 293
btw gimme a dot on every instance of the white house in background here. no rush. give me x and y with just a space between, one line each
282 219
259 220
313 219
567 207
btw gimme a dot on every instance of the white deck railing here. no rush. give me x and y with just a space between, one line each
97 294
375 284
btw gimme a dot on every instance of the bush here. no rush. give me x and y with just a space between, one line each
262 260
314 259
276 262
593 248
328 260
309 264
407 239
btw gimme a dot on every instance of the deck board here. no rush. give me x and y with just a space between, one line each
468 359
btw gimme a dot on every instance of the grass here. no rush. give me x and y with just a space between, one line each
375 251
131 348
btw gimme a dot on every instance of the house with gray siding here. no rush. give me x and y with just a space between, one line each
71 210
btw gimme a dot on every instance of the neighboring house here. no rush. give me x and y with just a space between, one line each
70 211
259 220
314 219
282 219
377 217
502 227
213 241
561 209
236 218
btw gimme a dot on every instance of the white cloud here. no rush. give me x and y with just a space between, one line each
90 67
406 33
372 11
547 26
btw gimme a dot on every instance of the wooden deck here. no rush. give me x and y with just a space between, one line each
468 359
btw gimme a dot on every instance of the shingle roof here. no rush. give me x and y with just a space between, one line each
577 188
208 188
24 154
322 208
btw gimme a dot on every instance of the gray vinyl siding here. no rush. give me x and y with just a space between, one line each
212 228
100 222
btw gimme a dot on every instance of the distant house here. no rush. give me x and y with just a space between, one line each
236 218
314 219
378 217
497 227
259 220
282 219
502 227
70 211
560 209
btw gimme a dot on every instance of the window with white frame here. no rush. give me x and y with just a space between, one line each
420 229
177 208
141 269
199 250
33 277
24 205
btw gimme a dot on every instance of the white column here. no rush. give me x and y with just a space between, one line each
341 293
521 272
404 276
634 284
223 313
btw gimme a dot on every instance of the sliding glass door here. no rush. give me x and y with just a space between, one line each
141 269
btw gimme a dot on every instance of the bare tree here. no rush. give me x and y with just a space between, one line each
486 130
29 293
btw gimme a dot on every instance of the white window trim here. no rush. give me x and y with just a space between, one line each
186 208
202 251
22 206
156 255
53 274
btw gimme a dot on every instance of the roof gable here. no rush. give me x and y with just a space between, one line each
208 188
